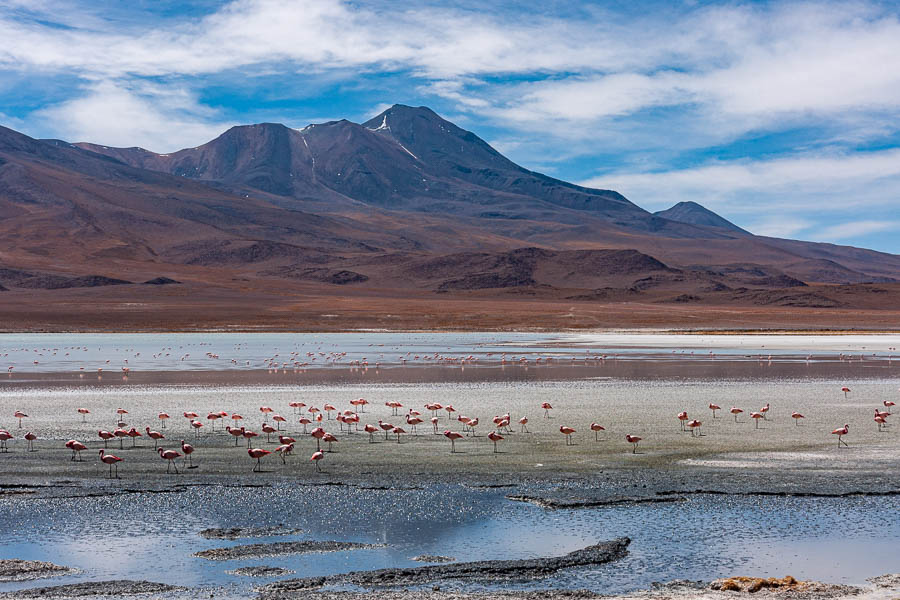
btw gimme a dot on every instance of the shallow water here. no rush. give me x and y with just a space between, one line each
152 536
40 353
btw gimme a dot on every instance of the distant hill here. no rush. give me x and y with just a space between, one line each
696 214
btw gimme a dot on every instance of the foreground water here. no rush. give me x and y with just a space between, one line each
153 536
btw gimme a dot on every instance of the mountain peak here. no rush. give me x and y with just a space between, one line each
693 213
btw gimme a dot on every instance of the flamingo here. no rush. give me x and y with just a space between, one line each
546 406
76 447
633 439
398 431
412 422
495 437
714 408
567 431
105 436
257 453
371 430
212 418
452 436
283 450
694 424
248 435
473 423
268 430
841 432
735 411
449 408
316 457
319 433
133 434
110 460
155 436
756 416
283 439
187 449
434 424
20 415
265 410
278 419
888 404
765 411
524 425
237 433
169 455
330 438
881 421
597 428
121 412
84 413
30 437
163 417
386 427
846 391
796 417
328 408
682 416
304 421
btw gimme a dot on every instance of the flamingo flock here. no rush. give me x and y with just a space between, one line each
349 422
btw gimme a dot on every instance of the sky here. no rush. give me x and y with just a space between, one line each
780 116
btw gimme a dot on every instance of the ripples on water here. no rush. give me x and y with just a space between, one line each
148 535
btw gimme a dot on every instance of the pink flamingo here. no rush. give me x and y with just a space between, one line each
257 453
412 422
265 410
155 436
888 404
328 408
20 415
597 428
316 457
279 419
735 411
682 416
304 421
187 449
30 437
111 460
524 425
434 424
841 432
284 439
84 413
330 438
163 417
449 408
694 424
473 423
133 434
796 417
398 431
547 408
319 433
121 412
881 421
248 435
371 430
567 431
495 437
268 430
452 436
197 425
765 411
846 391
212 418
76 447
386 427
237 433
633 439
714 408
169 455
756 417
105 436
284 450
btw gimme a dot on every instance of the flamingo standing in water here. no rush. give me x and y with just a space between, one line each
111 460
434 424
714 408
524 425
268 430
398 431
841 432
796 417
880 420
134 433
304 421
237 433
386 427
597 428
495 437
84 413
756 416
412 421
257 453
888 404
765 411
155 436
76 447
248 435
20 415
278 419
633 439
330 438
695 425
169 455
316 457
567 431
163 417
735 411
846 391
319 433
187 450
30 437
371 430
682 416
283 450
547 408
105 436
452 436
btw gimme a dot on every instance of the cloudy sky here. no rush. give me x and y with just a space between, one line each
782 117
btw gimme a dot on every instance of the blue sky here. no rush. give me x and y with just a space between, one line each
782 117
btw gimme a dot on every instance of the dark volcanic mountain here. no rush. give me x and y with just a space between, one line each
696 214
406 204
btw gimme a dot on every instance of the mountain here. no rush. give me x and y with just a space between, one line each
396 215
696 214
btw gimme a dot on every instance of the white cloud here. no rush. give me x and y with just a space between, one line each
153 117
854 229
